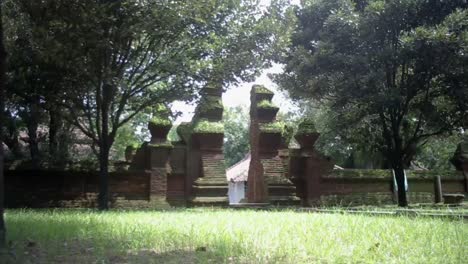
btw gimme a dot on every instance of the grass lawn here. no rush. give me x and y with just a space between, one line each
232 236
421 209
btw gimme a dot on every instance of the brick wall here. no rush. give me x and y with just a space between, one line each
374 187
39 189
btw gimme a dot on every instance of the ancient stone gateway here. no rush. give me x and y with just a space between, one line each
191 171
267 182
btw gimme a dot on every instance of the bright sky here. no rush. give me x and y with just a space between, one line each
240 95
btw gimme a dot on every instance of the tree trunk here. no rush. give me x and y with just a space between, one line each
103 177
64 138
2 106
104 149
400 179
55 130
33 125
54 127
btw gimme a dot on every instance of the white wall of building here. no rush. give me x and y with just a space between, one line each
236 192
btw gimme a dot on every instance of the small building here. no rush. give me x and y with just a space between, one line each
237 177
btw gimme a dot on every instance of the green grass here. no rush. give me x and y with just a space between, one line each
429 208
232 236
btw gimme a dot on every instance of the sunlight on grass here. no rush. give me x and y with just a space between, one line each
244 236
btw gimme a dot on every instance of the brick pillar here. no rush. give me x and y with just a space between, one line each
159 170
267 181
158 151
257 191
207 174
314 167
257 188
311 167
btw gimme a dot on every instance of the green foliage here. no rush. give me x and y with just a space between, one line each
125 137
266 104
133 133
347 145
288 134
236 134
389 73
173 136
210 103
273 127
161 122
161 116
306 126
161 110
184 130
437 152
134 146
205 126
162 145
106 60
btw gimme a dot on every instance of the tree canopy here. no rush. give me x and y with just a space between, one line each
392 72
97 64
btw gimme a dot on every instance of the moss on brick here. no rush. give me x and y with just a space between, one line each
161 122
161 116
306 126
213 85
210 103
356 174
274 127
162 145
387 174
205 126
161 110
418 174
266 104
260 89
377 198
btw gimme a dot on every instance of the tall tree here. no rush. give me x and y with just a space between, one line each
2 103
396 70
34 80
119 57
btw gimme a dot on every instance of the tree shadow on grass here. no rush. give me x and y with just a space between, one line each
80 252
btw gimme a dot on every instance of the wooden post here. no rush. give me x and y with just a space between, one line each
437 190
